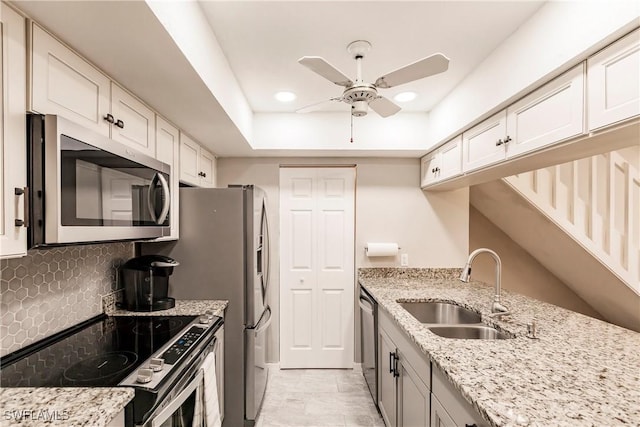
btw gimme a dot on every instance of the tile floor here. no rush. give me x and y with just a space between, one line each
317 397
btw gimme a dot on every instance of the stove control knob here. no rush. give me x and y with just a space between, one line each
156 364
144 375
209 313
204 319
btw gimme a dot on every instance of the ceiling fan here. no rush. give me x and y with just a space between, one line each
361 95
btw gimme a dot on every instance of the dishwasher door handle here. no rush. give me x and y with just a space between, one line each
365 305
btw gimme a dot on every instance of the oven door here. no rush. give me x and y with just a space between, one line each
185 410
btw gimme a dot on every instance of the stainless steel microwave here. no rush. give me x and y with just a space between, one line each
84 187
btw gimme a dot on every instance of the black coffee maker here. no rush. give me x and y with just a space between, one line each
146 283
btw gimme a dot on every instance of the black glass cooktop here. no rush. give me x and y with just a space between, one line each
102 353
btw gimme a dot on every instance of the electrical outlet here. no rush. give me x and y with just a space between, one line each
404 260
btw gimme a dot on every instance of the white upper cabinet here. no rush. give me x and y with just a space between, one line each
450 163
443 163
63 83
551 114
133 121
483 144
168 151
13 150
197 165
613 82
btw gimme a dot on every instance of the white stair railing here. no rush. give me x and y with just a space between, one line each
597 202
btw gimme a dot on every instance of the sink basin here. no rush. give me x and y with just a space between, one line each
440 312
473 332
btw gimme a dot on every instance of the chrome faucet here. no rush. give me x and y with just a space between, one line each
497 309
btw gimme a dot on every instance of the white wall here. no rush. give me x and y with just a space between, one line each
558 36
332 131
432 228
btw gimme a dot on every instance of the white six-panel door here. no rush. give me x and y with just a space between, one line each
317 267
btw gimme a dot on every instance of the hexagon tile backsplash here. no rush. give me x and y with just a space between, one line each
52 289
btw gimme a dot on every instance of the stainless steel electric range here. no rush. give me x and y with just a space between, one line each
160 356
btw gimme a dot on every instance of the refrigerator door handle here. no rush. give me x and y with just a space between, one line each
266 250
261 326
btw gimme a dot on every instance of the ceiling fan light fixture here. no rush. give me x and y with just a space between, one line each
285 96
405 96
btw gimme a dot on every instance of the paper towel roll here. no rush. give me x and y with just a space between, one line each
381 249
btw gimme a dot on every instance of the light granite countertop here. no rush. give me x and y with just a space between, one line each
65 406
579 372
182 308
84 406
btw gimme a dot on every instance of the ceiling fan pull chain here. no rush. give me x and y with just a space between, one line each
351 124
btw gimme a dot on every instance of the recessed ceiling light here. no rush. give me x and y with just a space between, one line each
405 96
285 96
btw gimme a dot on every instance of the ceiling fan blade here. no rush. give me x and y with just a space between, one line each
319 66
434 64
384 107
317 106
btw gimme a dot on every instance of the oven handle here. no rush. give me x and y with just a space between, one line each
160 418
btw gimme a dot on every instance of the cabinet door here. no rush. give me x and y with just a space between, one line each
386 379
613 85
452 403
135 122
428 169
440 417
189 153
65 84
413 397
481 145
450 159
13 148
167 151
553 113
207 162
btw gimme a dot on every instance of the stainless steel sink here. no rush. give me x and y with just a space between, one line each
473 332
440 312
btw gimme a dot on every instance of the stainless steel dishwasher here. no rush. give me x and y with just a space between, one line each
369 341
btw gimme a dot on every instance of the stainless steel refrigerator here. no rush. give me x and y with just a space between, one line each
223 253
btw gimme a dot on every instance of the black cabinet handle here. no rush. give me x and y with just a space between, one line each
507 139
471 425
109 118
120 124
499 143
396 373
391 360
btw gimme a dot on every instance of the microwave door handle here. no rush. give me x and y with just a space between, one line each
150 205
167 198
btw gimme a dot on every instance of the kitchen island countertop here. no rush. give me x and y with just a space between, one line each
579 372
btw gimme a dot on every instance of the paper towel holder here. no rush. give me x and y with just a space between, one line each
366 250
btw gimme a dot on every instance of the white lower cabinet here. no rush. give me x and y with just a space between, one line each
451 408
403 375
13 148
439 416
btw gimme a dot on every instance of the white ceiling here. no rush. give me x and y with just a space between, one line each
264 39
